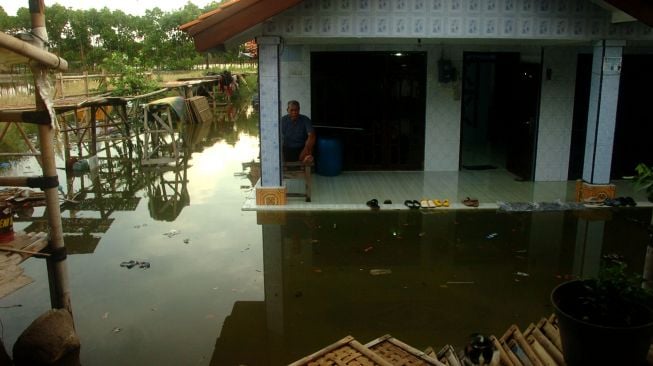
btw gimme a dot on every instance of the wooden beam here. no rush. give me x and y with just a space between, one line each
27 116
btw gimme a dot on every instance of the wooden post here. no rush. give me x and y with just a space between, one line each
86 83
60 85
57 269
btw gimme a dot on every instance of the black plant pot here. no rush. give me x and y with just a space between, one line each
585 343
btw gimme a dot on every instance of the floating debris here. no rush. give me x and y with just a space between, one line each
523 274
491 236
186 241
132 263
377 272
105 315
116 330
171 233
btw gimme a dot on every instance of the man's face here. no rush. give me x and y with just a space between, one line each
293 112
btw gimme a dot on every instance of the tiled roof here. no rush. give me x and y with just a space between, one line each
212 29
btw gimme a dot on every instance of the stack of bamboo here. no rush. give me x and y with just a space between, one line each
538 345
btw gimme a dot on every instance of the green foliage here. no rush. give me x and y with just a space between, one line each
644 179
608 297
86 37
13 140
130 76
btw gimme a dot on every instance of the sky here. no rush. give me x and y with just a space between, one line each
135 7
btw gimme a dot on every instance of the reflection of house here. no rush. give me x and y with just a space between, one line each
531 86
446 279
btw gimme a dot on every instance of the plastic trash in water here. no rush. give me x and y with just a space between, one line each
171 233
377 272
491 235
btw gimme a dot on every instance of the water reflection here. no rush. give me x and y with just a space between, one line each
428 279
265 289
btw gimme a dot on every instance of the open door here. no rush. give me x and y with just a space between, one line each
499 113
375 103
522 129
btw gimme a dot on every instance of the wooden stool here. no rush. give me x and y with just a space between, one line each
302 171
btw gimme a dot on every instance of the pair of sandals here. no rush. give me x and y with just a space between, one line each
470 202
374 203
434 203
620 202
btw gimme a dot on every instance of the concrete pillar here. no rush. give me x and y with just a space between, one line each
268 74
602 114
589 244
273 284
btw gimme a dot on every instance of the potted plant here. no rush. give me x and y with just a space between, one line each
605 321
644 179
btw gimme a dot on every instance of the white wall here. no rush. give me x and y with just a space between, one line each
442 120
556 114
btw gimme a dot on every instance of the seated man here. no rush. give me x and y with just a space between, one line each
297 135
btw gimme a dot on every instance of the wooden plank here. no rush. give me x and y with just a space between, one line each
201 109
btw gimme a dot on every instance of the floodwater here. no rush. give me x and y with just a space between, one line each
227 287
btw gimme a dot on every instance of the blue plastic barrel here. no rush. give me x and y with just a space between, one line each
329 156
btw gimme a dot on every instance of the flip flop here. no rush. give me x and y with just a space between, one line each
470 202
416 204
424 204
629 201
445 203
437 203
408 203
373 204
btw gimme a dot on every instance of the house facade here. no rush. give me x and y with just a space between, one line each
532 86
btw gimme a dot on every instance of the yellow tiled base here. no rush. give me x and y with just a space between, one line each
587 191
271 196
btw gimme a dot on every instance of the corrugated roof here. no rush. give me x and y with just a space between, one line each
214 28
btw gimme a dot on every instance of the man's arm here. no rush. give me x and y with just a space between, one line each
308 147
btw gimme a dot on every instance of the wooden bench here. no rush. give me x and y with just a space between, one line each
301 171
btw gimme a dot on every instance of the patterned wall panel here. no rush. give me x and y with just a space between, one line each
484 19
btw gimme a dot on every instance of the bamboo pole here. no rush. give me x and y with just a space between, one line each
35 53
21 251
57 269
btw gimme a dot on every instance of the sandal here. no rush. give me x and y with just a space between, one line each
411 204
445 203
373 204
437 203
470 202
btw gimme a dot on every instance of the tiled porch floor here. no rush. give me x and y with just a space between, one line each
350 190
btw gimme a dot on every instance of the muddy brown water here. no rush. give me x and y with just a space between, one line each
227 287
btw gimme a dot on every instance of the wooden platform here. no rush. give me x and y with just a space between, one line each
538 345
15 252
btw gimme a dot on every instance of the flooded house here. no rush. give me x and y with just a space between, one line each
547 90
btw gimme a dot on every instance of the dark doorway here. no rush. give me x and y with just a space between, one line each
633 129
375 103
579 124
499 113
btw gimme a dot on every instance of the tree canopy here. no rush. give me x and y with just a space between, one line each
85 38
